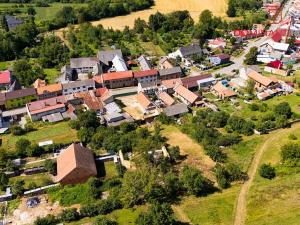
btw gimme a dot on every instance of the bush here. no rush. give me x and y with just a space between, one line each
17 130
253 107
69 215
292 137
104 221
267 171
102 207
215 153
290 154
22 146
174 153
51 166
283 109
47 220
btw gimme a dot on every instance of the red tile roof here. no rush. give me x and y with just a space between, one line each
143 100
5 77
145 73
117 75
49 89
222 90
171 83
167 99
46 105
186 94
75 165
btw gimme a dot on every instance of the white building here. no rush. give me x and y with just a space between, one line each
78 86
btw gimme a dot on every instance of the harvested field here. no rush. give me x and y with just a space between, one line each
195 7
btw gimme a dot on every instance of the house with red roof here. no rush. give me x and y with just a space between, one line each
5 79
38 109
146 76
223 92
217 43
146 105
185 95
116 79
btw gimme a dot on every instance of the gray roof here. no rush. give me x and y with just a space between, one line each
190 50
83 62
144 63
107 56
79 83
13 22
175 110
173 70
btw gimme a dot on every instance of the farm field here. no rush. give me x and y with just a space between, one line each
195 7
59 133
276 201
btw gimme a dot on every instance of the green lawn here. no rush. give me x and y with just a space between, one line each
152 49
59 133
42 13
214 209
51 75
122 216
276 201
40 179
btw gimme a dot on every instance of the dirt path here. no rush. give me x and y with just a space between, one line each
240 212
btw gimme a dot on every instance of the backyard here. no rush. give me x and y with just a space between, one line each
58 133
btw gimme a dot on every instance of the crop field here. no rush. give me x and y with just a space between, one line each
195 7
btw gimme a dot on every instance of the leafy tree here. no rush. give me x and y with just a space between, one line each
290 154
34 150
174 153
18 187
22 146
223 177
31 11
26 73
250 87
17 130
159 214
3 181
283 109
47 220
139 25
267 171
69 215
51 166
251 56
94 185
194 182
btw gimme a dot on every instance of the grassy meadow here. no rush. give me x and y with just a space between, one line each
276 201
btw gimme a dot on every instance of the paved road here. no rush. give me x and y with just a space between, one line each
238 61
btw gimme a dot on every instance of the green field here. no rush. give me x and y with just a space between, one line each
275 201
42 13
59 133
215 209
40 179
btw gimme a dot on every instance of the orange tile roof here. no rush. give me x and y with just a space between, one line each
39 83
171 83
222 90
75 165
186 94
265 81
143 100
98 79
145 73
117 75
49 89
46 105
167 99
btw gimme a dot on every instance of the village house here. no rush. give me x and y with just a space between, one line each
91 102
38 109
219 59
144 63
186 52
78 86
150 88
146 105
84 65
171 73
115 79
271 51
185 95
105 95
49 91
5 79
19 98
39 83
75 165
106 58
164 63
166 98
145 76
222 90
195 83
169 85
260 80
119 64
217 43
